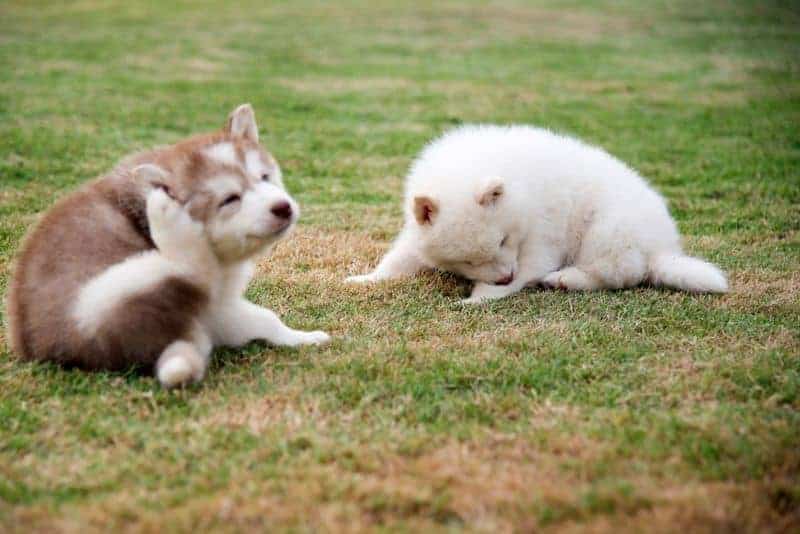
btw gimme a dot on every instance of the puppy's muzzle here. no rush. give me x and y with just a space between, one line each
282 210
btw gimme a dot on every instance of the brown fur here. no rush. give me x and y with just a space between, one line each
99 225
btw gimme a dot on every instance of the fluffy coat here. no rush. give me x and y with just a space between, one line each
517 206
147 265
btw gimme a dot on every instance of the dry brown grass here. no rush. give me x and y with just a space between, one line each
493 482
499 483
762 290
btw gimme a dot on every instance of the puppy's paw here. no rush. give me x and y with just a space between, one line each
175 372
569 279
553 281
172 229
161 208
317 337
361 279
179 369
471 301
483 292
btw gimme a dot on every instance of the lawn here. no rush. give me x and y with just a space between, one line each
611 411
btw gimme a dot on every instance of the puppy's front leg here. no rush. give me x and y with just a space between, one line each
401 260
482 291
535 263
242 321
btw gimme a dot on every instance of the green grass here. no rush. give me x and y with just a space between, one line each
633 410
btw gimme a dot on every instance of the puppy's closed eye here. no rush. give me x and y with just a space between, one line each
230 199
164 187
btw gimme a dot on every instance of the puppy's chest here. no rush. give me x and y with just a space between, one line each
231 284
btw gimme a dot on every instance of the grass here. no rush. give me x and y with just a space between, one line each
616 411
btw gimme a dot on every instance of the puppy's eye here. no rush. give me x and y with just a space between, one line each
265 177
504 241
230 199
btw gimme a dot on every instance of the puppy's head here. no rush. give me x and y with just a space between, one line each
468 232
233 185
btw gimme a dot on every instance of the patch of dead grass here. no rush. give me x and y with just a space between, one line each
488 25
495 483
344 85
661 91
762 290
171 63
339 85
317 255
702 508
324 257
286 409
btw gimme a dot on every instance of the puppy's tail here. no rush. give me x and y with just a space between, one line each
687 273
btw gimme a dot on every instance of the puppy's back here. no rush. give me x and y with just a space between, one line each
80 236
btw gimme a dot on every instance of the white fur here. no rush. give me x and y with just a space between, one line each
184 362
545 208
223 186
179 238
247 226
236 321
257 167
689 274
98 297
253 163
223 153
176 369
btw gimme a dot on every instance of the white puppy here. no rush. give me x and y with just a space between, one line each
148 265
517 206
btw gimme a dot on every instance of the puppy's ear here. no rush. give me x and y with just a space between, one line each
491 192
425 209
242 123
151 174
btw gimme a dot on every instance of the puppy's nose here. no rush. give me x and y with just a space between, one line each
282 210
507 279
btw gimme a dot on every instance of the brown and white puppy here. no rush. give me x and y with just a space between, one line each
148 264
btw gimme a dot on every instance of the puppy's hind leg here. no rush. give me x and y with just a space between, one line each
185 361
571 279
616 270
130 312
134 309
401 260
611 256
178 238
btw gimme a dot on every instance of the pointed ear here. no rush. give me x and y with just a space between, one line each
491 191
242 123
425 209
150 173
